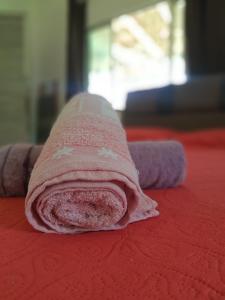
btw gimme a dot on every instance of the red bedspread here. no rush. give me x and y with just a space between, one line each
179 255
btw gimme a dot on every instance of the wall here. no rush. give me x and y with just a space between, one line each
101 11
49 53
50 26
45 42
22 7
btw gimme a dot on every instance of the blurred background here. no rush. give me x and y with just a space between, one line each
159 62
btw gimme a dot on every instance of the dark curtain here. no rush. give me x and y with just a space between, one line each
76 75
205 36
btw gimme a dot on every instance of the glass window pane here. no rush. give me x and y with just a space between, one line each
99 60
137 51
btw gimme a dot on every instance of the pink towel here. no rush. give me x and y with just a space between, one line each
85 179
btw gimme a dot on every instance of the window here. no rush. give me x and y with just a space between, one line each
141 50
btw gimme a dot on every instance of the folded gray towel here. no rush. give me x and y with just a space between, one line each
160 164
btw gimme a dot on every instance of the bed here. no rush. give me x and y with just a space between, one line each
178 255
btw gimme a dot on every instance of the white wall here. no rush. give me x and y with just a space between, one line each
45 42
101 11
14 5
50 40
22 7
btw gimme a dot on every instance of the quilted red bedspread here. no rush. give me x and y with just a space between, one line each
178 255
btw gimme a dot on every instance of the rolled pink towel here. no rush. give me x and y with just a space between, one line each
84 179
159 164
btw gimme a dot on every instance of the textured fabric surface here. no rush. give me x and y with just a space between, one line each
84 179
179 255
159 164
211 138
